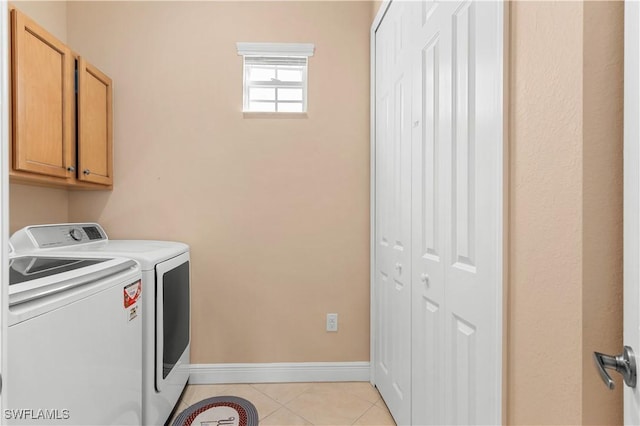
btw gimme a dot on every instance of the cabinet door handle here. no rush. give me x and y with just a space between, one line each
71 169
86 171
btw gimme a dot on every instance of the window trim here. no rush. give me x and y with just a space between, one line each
287 50
275 49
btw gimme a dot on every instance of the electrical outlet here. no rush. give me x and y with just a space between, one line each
332 322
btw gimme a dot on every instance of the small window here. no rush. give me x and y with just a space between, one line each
275 76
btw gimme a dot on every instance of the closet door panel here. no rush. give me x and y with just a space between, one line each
464 327
431 136
472 337
393 207
383 188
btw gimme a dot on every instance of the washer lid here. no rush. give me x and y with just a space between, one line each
35 277
28 268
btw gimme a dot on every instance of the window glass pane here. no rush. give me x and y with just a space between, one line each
275 84
261 74
290 107
262 94
289 94
290 74
262 106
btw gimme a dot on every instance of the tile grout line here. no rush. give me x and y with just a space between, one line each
296 413
360 397
298 396
259 391
268 396
282 405
299 415
362 415
372 404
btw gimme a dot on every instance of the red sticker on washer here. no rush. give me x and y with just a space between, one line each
132 293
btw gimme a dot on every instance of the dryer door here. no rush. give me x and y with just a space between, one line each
172 317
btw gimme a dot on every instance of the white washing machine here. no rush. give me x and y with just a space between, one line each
166 300
74 340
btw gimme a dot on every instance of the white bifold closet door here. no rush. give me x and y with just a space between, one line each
393 211
438 283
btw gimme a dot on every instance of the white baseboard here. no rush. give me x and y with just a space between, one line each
209 374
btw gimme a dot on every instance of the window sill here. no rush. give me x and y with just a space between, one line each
253 114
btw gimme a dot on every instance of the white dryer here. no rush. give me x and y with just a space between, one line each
166 302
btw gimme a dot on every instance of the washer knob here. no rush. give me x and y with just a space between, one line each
75 234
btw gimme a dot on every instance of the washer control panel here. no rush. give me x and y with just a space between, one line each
50 236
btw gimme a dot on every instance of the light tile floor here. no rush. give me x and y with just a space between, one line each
339 403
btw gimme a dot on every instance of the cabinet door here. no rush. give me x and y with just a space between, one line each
95 125
42 100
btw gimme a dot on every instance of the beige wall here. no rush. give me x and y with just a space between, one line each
31 205
565 210
52 15
276 210
545 369
602 204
